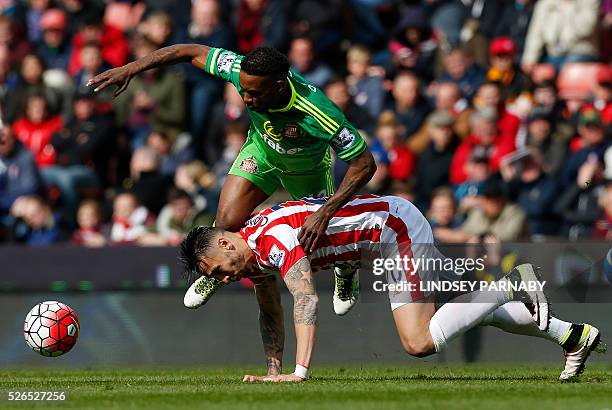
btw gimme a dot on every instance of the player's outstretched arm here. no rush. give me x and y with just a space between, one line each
121 76
271 323
300 282
360 171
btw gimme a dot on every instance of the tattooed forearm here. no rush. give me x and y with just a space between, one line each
169 55
300 282
271 323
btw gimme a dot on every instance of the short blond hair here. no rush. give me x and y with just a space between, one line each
358 52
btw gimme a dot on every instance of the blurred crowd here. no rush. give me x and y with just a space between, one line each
493 116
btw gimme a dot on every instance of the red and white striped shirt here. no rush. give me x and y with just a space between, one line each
356 228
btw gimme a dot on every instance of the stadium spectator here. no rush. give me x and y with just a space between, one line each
230 109
30 80
408 104
206 28
18 172
200 183
514 23
461 70
433 164
33 17
401 159
578 204
303 60
563 30
603 225
34 222
157 28
442 215
261 23
321 20
55 46
602 96
365 84
494 215
504 70
11 38
477 172
145 181
36 128
81 151
91 231
532 190
448 97
154 100
548 142
91 62
591 140
81 11
485 134
414 45
179 216
338 91
171 154
235 137
489 95
113 46
131 220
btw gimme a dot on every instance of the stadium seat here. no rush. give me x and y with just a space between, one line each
577 80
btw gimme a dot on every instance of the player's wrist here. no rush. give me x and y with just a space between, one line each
301 371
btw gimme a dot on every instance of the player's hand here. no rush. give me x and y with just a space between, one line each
119 76
313 229
277 378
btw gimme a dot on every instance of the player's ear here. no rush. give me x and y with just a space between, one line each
281 85
225 243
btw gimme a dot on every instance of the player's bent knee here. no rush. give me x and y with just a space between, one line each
418 346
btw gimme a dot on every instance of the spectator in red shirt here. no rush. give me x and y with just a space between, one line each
489 95
36 128
112 43
485 133
401 159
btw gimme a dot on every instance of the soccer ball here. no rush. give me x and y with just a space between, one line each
51 328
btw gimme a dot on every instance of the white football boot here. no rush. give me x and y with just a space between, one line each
201 291
575 359
346 290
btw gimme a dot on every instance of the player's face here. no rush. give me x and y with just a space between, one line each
260 93
226 262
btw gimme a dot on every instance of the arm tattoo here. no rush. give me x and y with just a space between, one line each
300 282
271 324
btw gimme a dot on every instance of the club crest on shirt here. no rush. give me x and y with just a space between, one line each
249 164
225 61
276 256
291 131
344 139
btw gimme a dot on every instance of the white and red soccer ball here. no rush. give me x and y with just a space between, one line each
51 328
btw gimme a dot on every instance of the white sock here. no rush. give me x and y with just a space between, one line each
462 313
514 317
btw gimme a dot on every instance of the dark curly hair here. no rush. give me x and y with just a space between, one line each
195 245
265 61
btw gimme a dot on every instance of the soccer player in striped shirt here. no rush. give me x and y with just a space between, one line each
368 225
293 126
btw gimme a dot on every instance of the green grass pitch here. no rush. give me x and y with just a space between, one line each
424 387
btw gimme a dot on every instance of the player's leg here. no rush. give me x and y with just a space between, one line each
320 183
578 340
239 197
251 180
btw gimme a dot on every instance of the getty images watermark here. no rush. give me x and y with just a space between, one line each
426 274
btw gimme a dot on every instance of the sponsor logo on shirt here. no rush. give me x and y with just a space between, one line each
276 256
254 221
225 61
278 148
269 129
249 165
344 139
